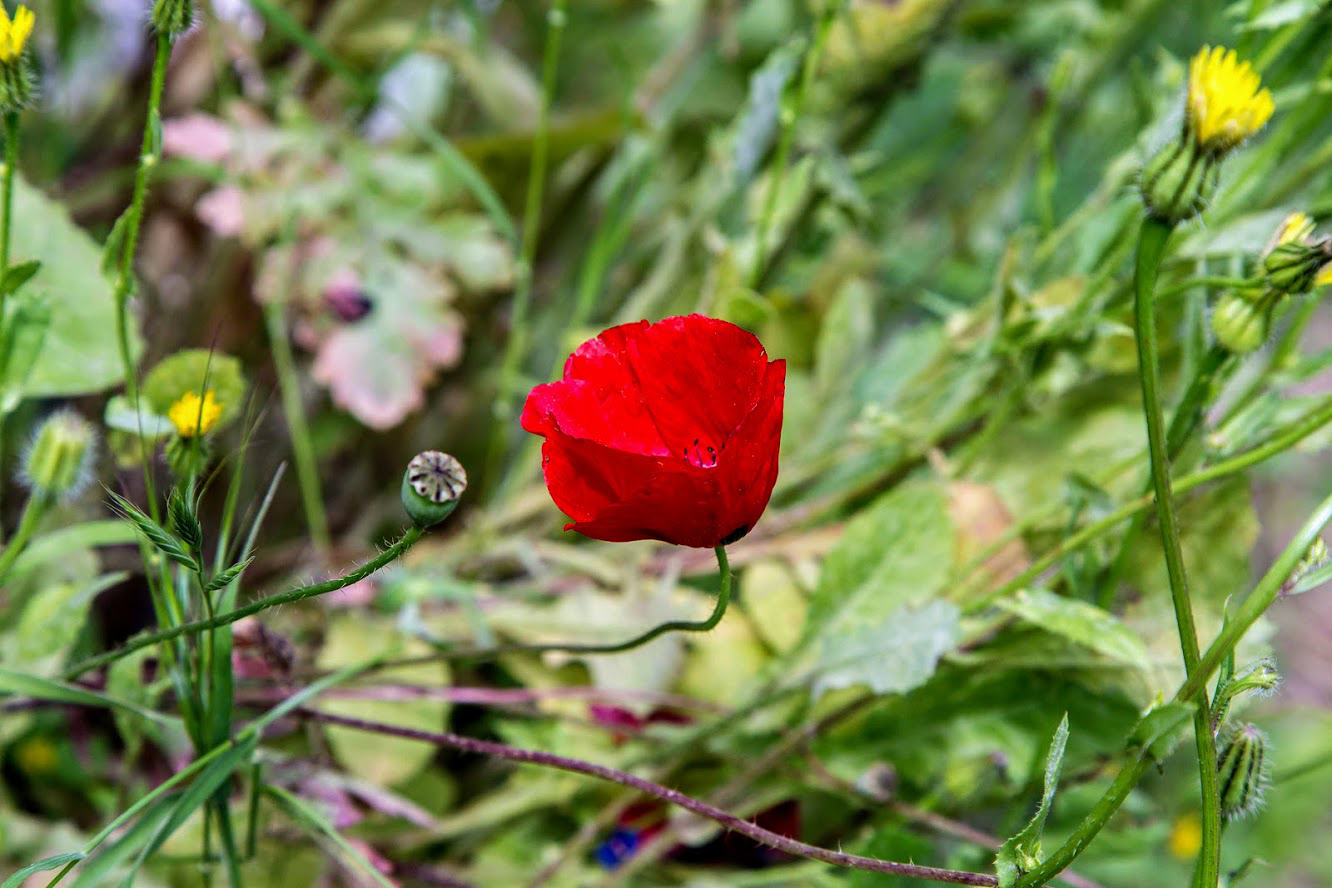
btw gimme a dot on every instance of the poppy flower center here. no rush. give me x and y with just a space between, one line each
702 454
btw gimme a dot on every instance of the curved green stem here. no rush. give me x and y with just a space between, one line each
405 542
1151 245
33 511
723 599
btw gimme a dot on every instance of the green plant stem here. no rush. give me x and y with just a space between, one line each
515 346
405 542
1254 606
718 610
786 138
307 470
7 208
147 160
33 510
1151 245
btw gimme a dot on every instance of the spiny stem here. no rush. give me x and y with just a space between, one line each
674 797
1151 245
405 542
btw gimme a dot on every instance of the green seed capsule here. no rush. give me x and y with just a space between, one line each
431 487
1241 773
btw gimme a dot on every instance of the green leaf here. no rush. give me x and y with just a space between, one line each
311 820
896 553
18 275
41 866
23 329
80 353
119 415
1162 729
51 622
57 544
896 655
24 685
758 121
1079 621
1022 852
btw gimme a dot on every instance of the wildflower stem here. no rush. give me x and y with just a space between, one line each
7 210
33 511
147 160
515 347
307 469
656 790
1151 245
785 140
405 542
1254 606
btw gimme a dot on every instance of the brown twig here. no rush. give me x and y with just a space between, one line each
674 797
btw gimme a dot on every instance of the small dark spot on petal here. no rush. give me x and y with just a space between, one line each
734 535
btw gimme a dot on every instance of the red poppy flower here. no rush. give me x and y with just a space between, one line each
665 431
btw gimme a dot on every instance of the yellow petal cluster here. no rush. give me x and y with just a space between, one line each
1225 102
192 415
1295 229
14 32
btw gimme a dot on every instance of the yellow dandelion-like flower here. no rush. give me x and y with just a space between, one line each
1225 102
14 32
1185 837
1295 229
192 415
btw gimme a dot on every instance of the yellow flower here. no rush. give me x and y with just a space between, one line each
1295 229
37 755
1225 103
1185 837
194 416
14 34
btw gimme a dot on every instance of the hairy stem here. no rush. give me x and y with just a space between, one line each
674 797
1151 245
7 207
405 542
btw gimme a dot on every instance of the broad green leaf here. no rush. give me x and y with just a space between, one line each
1022 852
898 654
80 353
56 545
51 622
23 329
897 552
722 665
356 638
775 602
1079 621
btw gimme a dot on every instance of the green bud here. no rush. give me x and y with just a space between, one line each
58 461
1240 324
173 17
431 487
1293 267
1242 772
188 457
1177 183
18 86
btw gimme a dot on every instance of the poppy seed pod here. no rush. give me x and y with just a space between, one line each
665 431
431 487
58 461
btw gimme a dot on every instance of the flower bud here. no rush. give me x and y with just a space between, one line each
173 17
188 457
1177 183
58 461
16 80
1240 324
1293 267
1241 773
431 487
